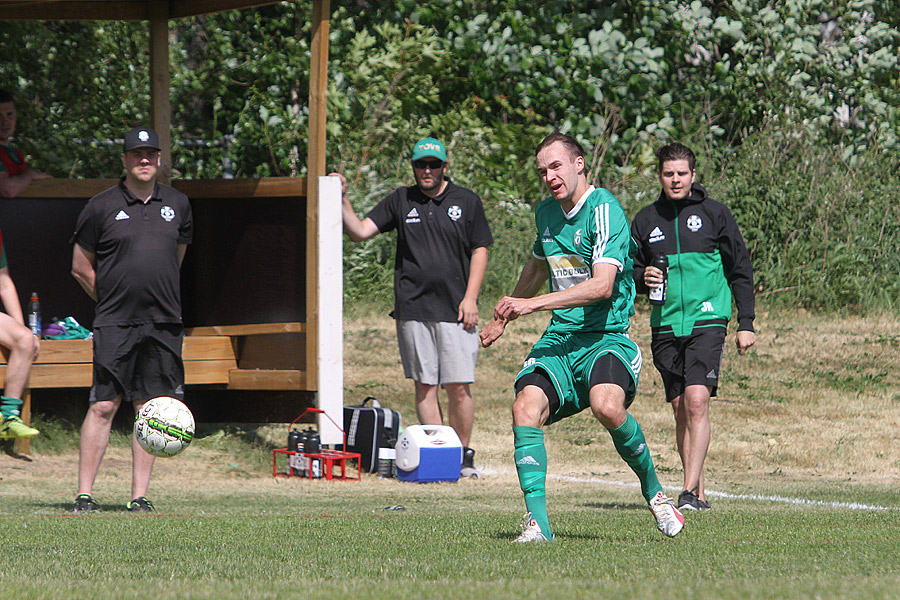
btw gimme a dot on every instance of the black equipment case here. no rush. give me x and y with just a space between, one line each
370 428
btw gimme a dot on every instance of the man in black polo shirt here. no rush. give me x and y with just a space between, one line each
129 244
442 240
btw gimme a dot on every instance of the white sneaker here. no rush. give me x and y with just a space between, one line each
668 519
531 532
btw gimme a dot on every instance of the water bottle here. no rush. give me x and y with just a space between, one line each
302 445
34 314
313 446
658 293
386 458
293 445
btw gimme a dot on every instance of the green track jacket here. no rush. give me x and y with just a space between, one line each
708 260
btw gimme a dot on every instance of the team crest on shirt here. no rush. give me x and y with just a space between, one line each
577 239
167 213
455 212
694 223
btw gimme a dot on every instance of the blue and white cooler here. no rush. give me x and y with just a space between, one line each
428 453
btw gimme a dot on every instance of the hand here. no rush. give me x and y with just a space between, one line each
343 183
743 340
37 347
35 174
652 277
492 332
510 308
468 314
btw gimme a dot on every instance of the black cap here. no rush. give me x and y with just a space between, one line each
140 137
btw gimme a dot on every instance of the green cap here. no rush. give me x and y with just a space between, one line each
429 147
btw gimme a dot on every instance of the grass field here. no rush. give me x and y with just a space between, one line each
803 470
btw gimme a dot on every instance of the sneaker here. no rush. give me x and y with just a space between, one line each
13 427
531 532
668 519
85 504
687 500
140 504
468 464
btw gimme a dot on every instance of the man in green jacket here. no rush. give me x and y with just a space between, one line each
707 262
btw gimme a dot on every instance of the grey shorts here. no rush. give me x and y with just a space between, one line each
435 353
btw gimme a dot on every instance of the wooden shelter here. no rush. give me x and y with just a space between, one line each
254 301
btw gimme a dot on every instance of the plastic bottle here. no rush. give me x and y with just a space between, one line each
34 314
313 446
302 461
293 446
658 293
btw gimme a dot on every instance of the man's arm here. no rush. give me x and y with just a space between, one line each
10 297
83 270
598 287
13 185
182 249
468 308
532 278
358 230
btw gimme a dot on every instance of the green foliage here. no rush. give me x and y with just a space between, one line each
817 80
823 233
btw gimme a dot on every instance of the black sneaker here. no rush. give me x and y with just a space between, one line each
688 500
85 504
468 464
140 504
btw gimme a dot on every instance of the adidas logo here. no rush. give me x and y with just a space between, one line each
639 450
656 235
547 232
413 216
122 216
528 460
711 374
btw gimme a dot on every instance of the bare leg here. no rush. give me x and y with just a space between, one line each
692 435
141 464
21 344
428 408
94 439
461 409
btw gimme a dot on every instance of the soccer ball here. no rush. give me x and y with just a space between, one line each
164 426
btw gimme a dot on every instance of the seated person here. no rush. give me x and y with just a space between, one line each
23 347
15 174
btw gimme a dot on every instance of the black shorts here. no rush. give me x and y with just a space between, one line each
138 362
689 360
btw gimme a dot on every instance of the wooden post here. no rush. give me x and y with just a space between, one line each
318 84
160 103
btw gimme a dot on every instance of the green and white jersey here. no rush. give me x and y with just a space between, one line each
595 231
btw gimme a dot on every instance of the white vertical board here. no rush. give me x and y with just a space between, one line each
331 310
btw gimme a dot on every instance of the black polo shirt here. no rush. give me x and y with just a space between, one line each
435 239
136 250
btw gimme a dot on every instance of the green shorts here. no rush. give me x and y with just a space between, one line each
568 360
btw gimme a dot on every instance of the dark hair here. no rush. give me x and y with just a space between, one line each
5 96
567 140
675 151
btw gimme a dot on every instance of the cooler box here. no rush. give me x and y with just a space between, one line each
428 453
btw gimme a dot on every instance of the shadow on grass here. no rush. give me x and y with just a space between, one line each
614 506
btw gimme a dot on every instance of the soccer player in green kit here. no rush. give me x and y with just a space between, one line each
584 358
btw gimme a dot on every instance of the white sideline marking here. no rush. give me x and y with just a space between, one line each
756 497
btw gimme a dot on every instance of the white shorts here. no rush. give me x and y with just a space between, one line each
435 352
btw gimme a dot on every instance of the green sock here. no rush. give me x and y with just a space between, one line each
531 465
629 441
9 407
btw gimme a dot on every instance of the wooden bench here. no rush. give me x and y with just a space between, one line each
212 356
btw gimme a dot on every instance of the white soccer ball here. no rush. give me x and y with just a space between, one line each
164 426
